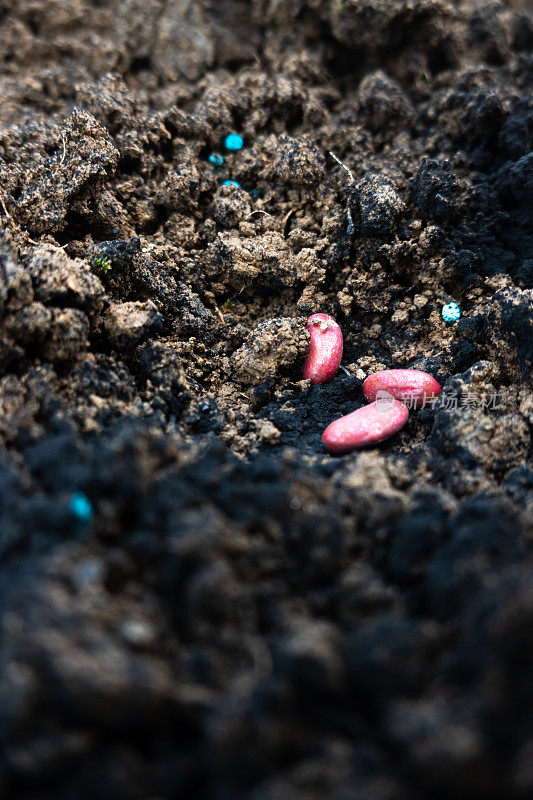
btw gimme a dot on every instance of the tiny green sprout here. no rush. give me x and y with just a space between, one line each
102 262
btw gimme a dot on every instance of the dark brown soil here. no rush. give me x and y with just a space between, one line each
245 617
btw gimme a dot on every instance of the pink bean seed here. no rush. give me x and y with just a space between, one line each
412 386
368 425
325 349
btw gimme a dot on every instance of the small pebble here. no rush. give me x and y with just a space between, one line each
367 426
232 183
81 507
325 349
451 312
216 159
410 385
138 633
233 142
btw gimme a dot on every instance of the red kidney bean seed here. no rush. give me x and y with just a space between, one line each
325 349
368 425
412 386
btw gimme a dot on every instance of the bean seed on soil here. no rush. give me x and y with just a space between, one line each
325 349
409 385
366 426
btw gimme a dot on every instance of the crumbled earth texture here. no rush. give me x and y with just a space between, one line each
245 617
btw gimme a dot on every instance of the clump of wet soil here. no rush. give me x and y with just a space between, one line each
245 616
